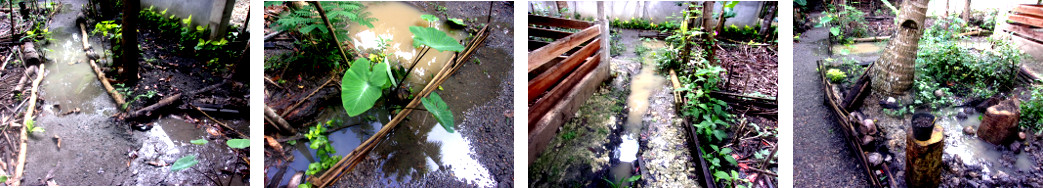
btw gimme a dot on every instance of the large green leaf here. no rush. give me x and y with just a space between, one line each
437 107
201 141
457 21
429 18
434 38
183 163
238 143
361 87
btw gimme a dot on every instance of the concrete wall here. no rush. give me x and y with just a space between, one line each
214 13
657 11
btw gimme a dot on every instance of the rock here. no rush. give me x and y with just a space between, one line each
1022 135
969 130
954 181
867 140
1000 124
1002 176
888 158
939 93
1016 147
961 114
855 117
875 158
973 175
889 103
868 127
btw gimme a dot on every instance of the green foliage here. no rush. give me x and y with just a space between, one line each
324 151
30 126
965 69
434 104
184 163
1032 111
319 48
238 143
109 29
434 38
622 182
457 21
429 18
201 141
925 94
617 47
362 86
747 33
845 23
635 23
835 75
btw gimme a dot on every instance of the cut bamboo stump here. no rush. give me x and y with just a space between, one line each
30 54
923 159
1000 124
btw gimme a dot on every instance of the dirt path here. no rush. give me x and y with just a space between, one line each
822 157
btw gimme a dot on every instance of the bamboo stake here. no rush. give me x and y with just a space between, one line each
116 96
287 110
25 134
333 32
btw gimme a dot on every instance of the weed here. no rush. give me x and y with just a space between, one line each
1032 111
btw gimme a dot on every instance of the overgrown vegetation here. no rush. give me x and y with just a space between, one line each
1032 111
844 22
318 49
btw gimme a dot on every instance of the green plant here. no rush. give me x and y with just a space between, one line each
835 75
622 182
319 48
845 23
324 151
183 163
30 126
968 70
201 141
925 91
1032 111
238 143
362 86
109 29
434 104
434 38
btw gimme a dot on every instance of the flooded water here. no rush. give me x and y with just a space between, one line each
973 150
393 21
642 87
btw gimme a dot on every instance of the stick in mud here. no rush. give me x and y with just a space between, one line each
25 134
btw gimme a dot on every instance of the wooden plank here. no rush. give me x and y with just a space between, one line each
1035 10
535 44
1027 20
554 75
1023 31
545 67
540 107
559 22
548 33
540 56
545 128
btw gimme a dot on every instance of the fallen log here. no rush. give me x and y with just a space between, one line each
25 134
30 54
147 111
25 77
871 39
857 95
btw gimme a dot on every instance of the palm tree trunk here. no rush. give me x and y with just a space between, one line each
895 72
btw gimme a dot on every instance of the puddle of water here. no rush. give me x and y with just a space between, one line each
456 153
861 48
393 21
973 150
641 89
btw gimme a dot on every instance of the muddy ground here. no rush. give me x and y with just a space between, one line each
90 147
485 117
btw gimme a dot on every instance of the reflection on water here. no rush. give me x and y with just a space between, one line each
393 21
973 150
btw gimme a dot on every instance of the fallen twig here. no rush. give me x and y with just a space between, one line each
25 134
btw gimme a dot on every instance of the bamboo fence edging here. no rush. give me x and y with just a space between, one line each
23 142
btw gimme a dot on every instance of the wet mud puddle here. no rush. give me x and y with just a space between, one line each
392 27
642 87
974 151
418 147
94 149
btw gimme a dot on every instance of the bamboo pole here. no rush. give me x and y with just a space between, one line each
333 32
116 96
25 134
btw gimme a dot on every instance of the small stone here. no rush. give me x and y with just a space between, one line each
867 140
891 100
973 175
961 114
868 126
939 93
1002 176
954 181
1022 135
969 130
875 158
887 159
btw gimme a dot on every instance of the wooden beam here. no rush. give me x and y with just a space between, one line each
548 33
1035 10
1023 31
541 56
540 107
543 128
558 22
554 75
535 44
1027 20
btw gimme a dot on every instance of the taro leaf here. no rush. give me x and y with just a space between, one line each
429 18
361 87
183 163
799 2
238 143
435 39
201 141
457 21
440 110
835 31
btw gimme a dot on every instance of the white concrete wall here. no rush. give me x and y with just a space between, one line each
657 11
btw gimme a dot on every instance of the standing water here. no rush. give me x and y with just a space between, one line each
974 151
641 88
393 22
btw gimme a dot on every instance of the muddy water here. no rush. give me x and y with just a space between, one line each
862 48
974 151
393 21
641 88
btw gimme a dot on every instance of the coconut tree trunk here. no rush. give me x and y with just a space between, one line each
894 72
129 58
708 35
967 11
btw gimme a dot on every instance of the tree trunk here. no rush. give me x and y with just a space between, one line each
708 36
770 16
895 72
967 11
129 58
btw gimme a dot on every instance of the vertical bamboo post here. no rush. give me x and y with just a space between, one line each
923 159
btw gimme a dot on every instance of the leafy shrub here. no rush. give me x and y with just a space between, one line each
964 68
835 75
1032 111
845 23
